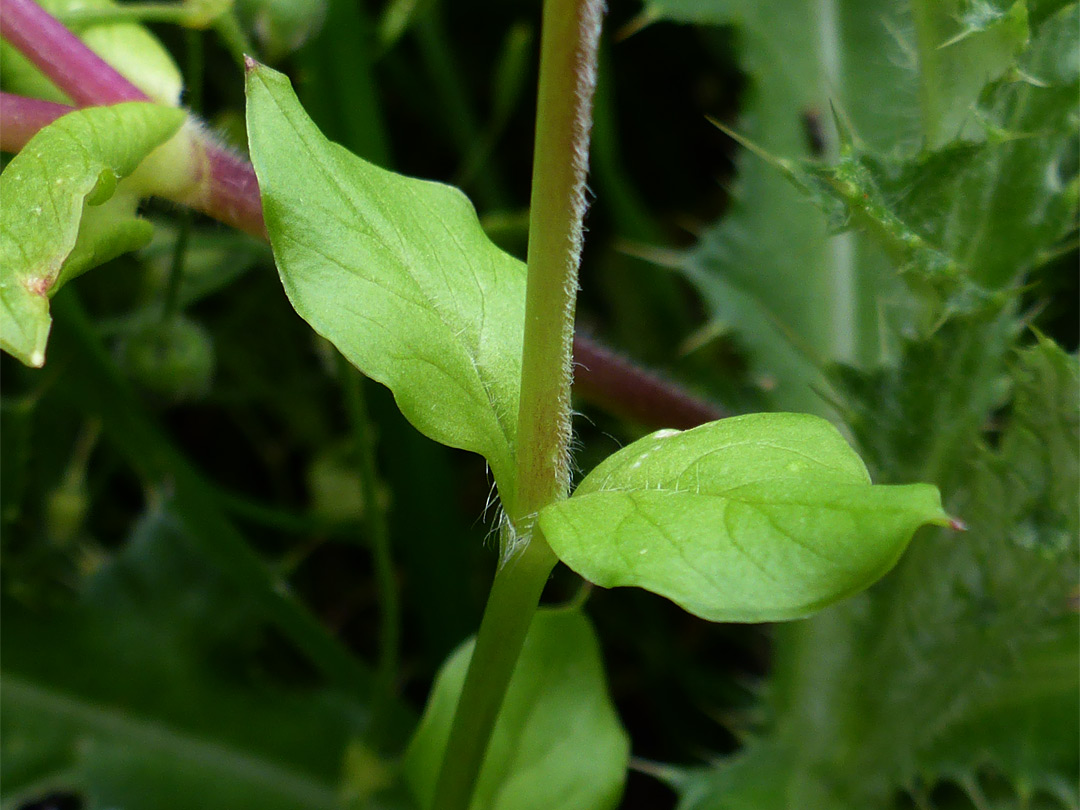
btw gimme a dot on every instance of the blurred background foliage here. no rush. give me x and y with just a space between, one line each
190 607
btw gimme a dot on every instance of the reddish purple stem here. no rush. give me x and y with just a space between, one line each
232 196
23 117
618 386
86 78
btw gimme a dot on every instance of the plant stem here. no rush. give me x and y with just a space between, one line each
569 40
63 57
23 117
175 13
928 37
464 129
377 531
170 301
193 70
618 386
511 605
232 36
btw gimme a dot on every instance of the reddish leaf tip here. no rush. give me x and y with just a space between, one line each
957 525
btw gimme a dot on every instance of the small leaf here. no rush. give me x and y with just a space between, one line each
48 235
755 518
398 274
557 742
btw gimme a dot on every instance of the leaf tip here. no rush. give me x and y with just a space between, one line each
956 524
250 65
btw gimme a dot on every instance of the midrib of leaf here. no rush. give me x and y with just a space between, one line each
140 732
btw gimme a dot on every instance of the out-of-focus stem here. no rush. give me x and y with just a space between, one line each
231 194
23 117
378 535
615 384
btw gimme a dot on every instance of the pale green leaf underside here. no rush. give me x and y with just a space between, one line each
48 234
755 518
398 274
558 741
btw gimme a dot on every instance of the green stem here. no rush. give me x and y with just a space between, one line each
232 36
377 531
282 520
928 38
175 13
193 78
170 303
569 40
563 119
507 616
462 123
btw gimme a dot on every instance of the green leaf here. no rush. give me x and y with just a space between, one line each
963 45
990 631
747 781
557 742
956 666
145 691
795 293
55 222
1017 731
398 274
751 519
974 214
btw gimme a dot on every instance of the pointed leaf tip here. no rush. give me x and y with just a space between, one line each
249 64
398 274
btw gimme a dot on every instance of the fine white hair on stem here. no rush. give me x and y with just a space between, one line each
591 15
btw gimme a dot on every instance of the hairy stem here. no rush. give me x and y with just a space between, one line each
560 160
567 77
